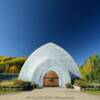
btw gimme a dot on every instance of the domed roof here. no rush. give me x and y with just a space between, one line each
50 50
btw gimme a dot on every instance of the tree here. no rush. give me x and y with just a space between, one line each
13 69
90 70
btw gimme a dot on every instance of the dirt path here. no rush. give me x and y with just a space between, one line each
50 94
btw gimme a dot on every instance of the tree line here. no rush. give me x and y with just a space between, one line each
11 64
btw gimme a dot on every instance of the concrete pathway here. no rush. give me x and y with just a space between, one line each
50 94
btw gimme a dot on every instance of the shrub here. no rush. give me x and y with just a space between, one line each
16 85
13 69
35 86
24 85
69 85
81 83
7 83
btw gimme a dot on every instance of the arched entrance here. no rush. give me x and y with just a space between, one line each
51 79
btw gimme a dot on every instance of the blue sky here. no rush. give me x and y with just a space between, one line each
27 24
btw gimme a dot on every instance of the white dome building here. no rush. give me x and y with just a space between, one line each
51 66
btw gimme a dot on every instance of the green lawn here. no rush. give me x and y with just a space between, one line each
97 92
6 92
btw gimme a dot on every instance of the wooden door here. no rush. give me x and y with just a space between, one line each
51 79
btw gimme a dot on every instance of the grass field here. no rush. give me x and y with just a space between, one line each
10 91
93 92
